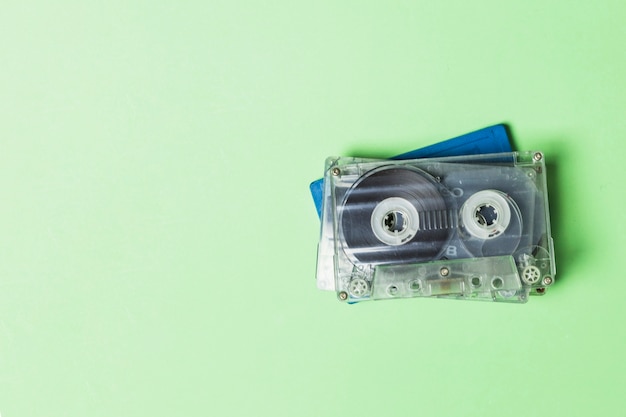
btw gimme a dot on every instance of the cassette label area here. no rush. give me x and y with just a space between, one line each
474 227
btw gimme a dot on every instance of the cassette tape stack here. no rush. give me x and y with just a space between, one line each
469 227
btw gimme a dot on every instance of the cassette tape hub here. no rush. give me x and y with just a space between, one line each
470 227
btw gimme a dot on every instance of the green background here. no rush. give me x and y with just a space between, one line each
158 239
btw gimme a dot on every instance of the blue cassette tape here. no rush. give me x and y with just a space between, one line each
494 139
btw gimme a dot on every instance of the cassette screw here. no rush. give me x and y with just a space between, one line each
343 296
547 281
336 171
538 156
444 271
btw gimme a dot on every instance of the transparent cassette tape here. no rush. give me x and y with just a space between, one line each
469 227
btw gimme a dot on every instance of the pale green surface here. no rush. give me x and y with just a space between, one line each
158 239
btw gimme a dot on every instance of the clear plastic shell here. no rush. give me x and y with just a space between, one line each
474 227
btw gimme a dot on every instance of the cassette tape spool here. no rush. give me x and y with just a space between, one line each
472 227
